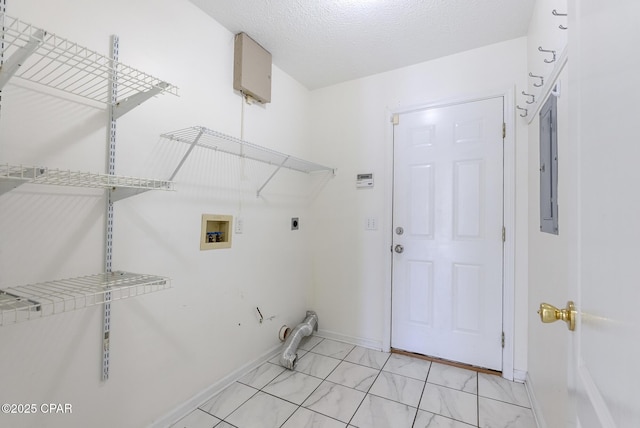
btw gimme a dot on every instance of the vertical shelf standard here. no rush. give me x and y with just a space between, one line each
42 58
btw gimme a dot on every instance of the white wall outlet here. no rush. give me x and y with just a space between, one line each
371 223
239 225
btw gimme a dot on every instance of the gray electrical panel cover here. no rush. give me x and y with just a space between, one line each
549 166
251 68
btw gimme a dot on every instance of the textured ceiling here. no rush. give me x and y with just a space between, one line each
323 42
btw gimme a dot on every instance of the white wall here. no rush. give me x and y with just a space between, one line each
351 131
169 346
548 254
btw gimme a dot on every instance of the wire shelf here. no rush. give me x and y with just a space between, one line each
41 57
27 302
18 174
214 140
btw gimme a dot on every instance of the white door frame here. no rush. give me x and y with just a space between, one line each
509 209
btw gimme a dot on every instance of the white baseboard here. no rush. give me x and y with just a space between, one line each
593 399
535 406
365 343
188 406
520 375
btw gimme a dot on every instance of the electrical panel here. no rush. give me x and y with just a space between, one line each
251 69
549 167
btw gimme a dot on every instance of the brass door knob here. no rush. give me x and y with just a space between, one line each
549 313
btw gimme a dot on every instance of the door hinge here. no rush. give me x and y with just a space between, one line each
504 130
503 339
504 234
395 119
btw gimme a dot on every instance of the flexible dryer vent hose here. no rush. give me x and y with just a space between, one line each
289 356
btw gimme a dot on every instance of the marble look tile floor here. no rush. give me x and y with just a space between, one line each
337 385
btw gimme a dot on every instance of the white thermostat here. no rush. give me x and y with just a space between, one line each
364 180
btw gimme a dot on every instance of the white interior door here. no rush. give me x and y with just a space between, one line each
447 226
604 68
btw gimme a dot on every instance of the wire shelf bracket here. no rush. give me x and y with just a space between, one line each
271 176
13 63
213 140
37 56
135 100
33 301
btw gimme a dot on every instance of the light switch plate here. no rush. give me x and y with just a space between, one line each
371 224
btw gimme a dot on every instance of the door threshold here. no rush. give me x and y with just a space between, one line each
446 362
